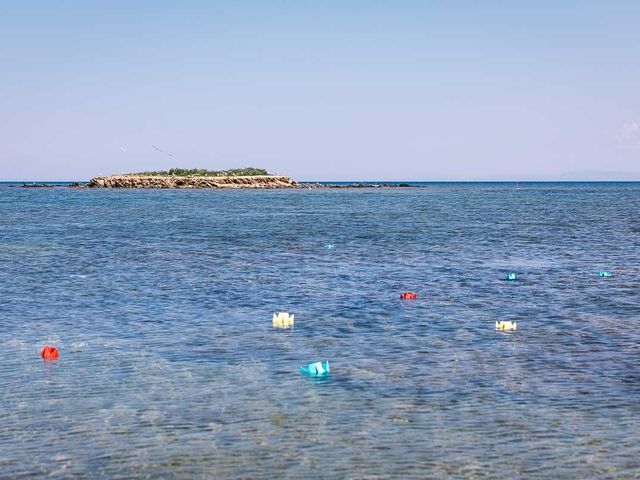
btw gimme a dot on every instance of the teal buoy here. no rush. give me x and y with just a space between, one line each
329 246
511 276
317 369
605 274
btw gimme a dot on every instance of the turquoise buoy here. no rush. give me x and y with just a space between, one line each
329 246
605 274
511 276
317 369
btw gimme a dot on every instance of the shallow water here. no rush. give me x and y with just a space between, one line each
161 304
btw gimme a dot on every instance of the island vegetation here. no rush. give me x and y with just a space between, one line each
203 172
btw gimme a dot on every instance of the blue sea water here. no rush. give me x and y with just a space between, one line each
160 302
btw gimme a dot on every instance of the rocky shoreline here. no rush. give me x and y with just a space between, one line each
203 182
139 181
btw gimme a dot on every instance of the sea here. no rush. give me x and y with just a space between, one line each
160 303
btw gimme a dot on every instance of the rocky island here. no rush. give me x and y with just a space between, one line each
196 178
250 178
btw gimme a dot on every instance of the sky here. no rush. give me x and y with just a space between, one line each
322 90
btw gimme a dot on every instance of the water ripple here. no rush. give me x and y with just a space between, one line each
161 304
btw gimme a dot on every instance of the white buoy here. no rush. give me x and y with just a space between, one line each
282 320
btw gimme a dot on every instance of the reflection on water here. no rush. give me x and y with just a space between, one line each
161 304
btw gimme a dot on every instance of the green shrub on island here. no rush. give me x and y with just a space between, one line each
202 172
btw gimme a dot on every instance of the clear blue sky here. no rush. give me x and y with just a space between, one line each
327 90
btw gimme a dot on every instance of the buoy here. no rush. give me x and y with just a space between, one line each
282 320
605 274
408 296
329 246
49 353
511 276
506 325
317 369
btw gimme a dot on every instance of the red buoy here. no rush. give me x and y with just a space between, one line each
408 296
49 353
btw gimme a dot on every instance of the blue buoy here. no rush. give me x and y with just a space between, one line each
329 246
317 369
511 276
605 274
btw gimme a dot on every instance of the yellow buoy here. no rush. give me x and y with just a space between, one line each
282 320
506 325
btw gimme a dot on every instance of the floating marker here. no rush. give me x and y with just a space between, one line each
282 320
408 296
329 246
506 326
511 276
49 353
317 369
605 274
